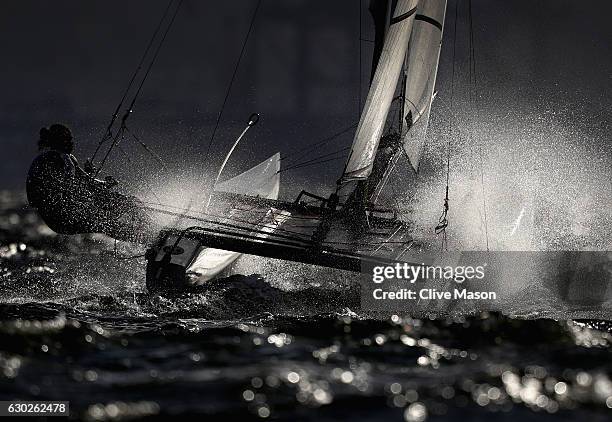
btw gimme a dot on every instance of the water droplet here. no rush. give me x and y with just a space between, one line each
416 412
263 412
248 395
347 377
395 388
293 377
560 388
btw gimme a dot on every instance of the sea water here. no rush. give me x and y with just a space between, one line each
77 325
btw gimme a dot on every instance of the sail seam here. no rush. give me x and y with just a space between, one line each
403 16
429 20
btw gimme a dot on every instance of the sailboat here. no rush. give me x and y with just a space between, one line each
349 227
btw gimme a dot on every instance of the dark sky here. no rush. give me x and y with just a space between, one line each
544 72
69 61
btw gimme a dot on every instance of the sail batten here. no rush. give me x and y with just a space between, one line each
421 70
382 91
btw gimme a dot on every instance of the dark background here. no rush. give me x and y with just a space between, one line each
542 107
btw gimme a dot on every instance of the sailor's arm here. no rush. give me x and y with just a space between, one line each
107 183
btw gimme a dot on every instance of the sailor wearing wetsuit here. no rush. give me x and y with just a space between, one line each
72 201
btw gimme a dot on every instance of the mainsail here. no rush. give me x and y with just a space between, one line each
421 70
382 91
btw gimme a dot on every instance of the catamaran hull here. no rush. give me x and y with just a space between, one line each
182 261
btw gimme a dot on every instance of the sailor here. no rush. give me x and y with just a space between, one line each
72 201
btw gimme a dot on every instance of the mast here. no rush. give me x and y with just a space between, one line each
420 70
382 91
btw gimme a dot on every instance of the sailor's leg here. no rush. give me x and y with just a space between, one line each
68 217
124 218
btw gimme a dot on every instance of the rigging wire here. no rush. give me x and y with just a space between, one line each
305 150
443 220
159 46
472 88
301 164
310 164
149 186
229 88
151 153
138 91
108 135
